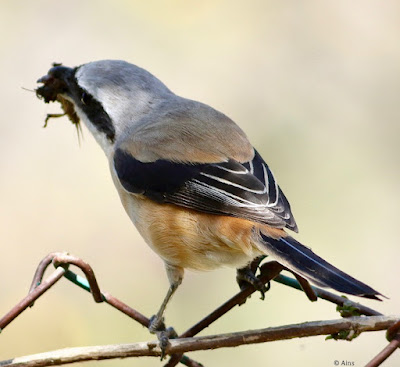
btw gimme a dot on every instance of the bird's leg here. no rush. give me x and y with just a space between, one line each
157 320
246 276
157 325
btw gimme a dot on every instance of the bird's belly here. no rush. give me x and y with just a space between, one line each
190 239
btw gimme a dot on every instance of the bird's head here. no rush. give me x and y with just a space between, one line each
108 96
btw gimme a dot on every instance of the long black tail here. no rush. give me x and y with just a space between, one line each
301 260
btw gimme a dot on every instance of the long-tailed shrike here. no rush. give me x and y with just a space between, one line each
195 188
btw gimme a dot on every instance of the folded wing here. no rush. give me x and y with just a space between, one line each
246 190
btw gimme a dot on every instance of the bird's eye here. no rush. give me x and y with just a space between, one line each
85 98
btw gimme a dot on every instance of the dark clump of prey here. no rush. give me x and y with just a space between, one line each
51 92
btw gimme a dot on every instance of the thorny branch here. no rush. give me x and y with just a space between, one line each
185 342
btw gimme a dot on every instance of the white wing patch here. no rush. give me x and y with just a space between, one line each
246 190
227 182
225 195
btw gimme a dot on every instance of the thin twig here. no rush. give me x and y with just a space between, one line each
328 296
31 297
124 308
39 273
182 345
306 287
66 260
385 353
393 331
393 335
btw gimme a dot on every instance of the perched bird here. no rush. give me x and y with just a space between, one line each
195 188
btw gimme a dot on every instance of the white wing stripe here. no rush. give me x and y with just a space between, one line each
270 205
237 200
265 179
244 171
219 179
251 167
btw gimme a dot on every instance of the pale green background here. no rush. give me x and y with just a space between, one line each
316 86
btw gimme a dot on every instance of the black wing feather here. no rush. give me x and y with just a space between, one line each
230 188
154 179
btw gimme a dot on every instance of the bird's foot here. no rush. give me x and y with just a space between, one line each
156 324
246 276
157 327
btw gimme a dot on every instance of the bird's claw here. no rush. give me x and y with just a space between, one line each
245 277
157 327
156 324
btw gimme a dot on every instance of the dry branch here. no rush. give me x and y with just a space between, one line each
385 353
183 345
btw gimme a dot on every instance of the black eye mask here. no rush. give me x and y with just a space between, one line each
60 81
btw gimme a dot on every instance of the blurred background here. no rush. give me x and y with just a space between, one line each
316 87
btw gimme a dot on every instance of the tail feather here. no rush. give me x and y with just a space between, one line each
301 260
